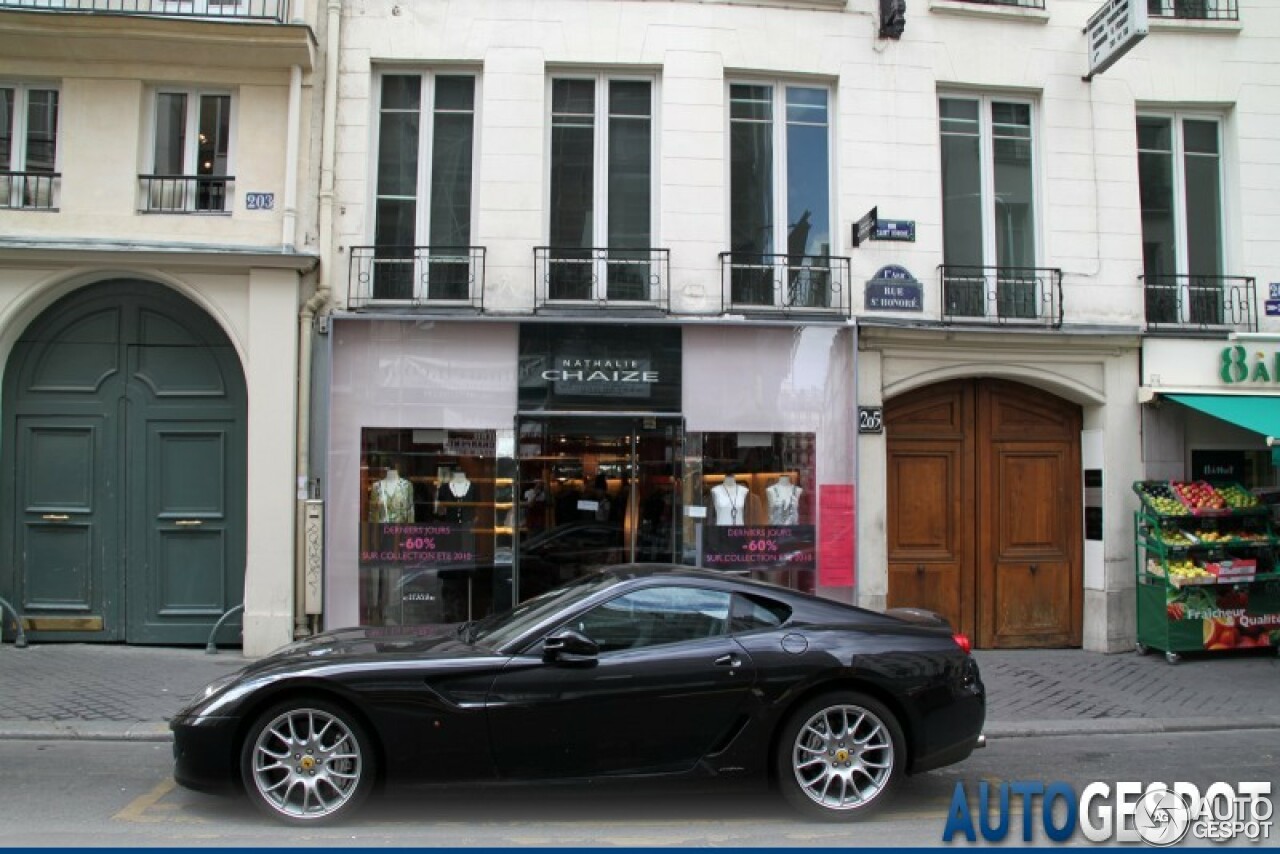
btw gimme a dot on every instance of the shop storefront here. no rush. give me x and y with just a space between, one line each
474 464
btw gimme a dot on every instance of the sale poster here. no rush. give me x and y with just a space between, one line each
835 535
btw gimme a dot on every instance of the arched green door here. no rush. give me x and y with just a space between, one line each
125 447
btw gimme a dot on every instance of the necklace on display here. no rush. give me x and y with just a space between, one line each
735 508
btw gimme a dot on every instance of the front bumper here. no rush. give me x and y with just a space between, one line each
205 754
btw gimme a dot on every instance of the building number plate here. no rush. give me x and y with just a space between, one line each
870 419
259 201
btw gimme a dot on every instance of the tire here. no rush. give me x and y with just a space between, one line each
307 762
840 756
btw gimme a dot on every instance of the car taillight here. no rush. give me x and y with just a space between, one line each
962 641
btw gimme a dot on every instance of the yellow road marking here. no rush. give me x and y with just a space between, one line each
137 808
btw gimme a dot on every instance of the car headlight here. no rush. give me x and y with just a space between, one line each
217 685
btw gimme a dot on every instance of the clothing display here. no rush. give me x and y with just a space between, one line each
729 501
456 500
391 499
784 502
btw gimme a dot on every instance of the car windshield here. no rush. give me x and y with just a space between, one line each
498 630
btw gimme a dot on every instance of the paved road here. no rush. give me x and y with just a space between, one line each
86 793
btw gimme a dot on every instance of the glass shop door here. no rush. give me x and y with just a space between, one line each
593 491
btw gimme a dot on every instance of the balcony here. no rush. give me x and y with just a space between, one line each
416 277
1193 10
185 194
223 10
1200 303
29 191
1021 296
809 285
601 278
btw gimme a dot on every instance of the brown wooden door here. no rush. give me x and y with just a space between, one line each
983 512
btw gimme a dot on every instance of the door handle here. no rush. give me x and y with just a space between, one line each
1034 567
919 569
55 517
188 523
729 660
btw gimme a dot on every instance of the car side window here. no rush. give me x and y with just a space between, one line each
656 615
751 613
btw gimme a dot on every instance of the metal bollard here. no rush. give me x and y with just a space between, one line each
21 640
211 648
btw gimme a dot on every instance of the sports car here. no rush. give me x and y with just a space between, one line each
639 670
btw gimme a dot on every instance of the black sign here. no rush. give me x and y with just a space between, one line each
1221 466
566 366
870 419
864 228
759 547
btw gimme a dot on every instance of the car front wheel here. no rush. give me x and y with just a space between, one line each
307 762
840 755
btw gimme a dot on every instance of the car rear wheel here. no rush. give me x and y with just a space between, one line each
307 762
840 756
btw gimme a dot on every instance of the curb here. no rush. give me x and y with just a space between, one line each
1125 726
85 731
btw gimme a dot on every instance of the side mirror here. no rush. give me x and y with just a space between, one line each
569 646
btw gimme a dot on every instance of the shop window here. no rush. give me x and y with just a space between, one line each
601 183
780 201
1180 186
752 495
435 521
988 208
28 146
191 153
423 189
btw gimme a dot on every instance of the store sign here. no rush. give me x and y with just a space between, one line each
1238 365
1231 466
893 288
759 547
1113 31
576 366
419 545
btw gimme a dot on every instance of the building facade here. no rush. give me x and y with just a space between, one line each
158 237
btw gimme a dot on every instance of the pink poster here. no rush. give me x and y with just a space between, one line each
835 535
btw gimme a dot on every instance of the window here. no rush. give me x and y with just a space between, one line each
1180 184
779 195
28 146
1193 9
191 153
988 206
601 186
752 613
423 191
656 615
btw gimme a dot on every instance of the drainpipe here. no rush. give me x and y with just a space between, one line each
315 306
289 226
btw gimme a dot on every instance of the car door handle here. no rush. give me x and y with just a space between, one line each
729 660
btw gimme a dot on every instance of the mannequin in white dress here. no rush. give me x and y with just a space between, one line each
729 501
784 502
391 499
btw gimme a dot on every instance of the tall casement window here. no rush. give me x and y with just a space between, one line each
423 190
28 145
988 207
780 195
1180 182
601 185
191 153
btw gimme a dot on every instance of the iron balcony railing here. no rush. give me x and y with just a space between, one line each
185 194
1194 10
416 277
1186 302
1020 4
601 278
31 191
1025 296
752 283
240 10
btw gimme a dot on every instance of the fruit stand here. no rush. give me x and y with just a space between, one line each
1207 578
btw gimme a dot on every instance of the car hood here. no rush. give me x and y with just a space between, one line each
369 643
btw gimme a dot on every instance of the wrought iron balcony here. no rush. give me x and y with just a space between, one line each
240 10
30 191
1020 4
817 285
1025 296
416 277
1182 302
185 194
1194 10
601 278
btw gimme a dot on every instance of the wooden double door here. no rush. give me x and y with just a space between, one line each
984 510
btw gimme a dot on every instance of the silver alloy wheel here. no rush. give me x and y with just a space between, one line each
306 763
843 757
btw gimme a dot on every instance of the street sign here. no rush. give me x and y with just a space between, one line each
1273 307
895 229
864 228
1113 31
1275 290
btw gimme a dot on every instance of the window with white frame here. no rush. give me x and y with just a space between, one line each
423 188
780 200
988 207
601 208
191 152
1180 185
1194 9
28 145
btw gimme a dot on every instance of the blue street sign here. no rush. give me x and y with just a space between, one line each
1273 308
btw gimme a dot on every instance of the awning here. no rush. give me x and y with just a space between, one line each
1256 412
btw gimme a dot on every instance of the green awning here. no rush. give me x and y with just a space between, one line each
1259 413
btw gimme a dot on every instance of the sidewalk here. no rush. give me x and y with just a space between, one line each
99 691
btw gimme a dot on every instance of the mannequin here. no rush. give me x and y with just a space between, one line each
729 501
784 502
391 498
455 500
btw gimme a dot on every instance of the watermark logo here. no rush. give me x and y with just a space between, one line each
1162 817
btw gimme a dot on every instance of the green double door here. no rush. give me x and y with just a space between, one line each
124 445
